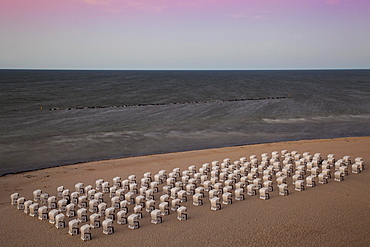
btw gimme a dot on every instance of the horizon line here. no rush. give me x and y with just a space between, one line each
190 69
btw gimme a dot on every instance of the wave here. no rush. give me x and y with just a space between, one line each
313 119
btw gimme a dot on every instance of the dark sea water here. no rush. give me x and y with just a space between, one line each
317 104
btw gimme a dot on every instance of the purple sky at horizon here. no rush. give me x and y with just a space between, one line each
184 34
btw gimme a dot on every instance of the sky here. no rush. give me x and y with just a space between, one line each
184 34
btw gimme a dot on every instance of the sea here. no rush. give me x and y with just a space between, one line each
58 117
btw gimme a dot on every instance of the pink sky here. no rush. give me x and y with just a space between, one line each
252 22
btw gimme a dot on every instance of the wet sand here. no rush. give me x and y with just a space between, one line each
333 214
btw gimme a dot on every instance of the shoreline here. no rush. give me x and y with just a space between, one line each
333 214
180 151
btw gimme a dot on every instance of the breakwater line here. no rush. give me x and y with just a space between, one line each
158 104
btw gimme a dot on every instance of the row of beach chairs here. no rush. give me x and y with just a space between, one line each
220 182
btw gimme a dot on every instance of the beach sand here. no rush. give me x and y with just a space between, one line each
333 214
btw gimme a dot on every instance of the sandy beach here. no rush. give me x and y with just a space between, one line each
332 214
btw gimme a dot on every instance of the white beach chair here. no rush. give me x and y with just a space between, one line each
144 182
344 170
286 171
91 194
174 192
338 176
132 179
251 176
264 193
60 191
20 203
251 190
299 185
112 191
95 220
36 195
230 182
74 197
110 213
327 172
197 177
44 199
323 178
34 210
156 217
179 184
215 203
356 168
207 167
101 209
52 214
167 190
239 194
125 184
59 221
207 185
122 217
268 184
175 204
62 204
227 198
93 206
149 176
87 188
213 193
311 181
85 232
123 205
164 207
27 205
98 184
133 222
138 210
154 186
79 188
70 210
43 213
165 198
149 205
283 189
190 189
227 189
66 194
198 199
182 213
315 171
99 196
108 226
115 202
239 185
121 194
133 188
281 180
182 195
347 160
338 164
13 198
73 226
130 197
117 182
82 215
140 201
